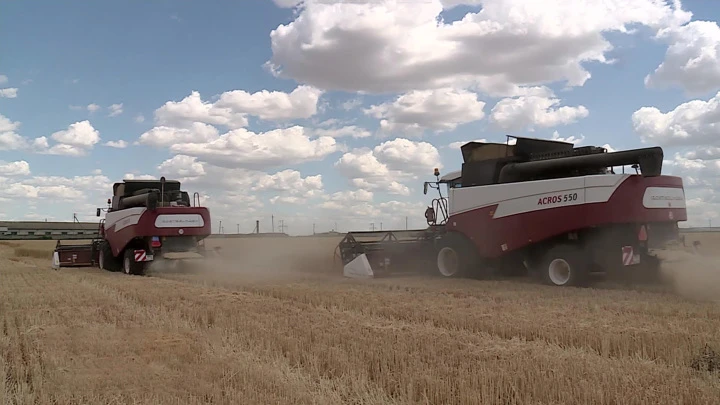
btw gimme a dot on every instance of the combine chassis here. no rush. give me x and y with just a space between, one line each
147 221
546 208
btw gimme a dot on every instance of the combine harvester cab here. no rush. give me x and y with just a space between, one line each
542 207
147 221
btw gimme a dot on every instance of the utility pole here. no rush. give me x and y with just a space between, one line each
406 224
220 230
313 228
272 218
381 226
282 226
372 225
238 225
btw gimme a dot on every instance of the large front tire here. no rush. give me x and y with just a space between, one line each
456 257
106 261
565 266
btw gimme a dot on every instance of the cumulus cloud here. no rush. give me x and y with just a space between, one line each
18 168
9 138
115 110
351 131
439 110
246 149
693 123
385 166
233 107
77 140
10 92
692 60
531 112
120 144
384 46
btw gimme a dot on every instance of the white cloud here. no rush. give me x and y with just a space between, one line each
439 110
272 105
77 140
9 139
139 118
3 79
181 166
290 182
346 131
233 107
193 109
692 61
242 148
115 110
576 140
72 189
529 112
10 92
693 123
164 136
408 156
384 167
18 168
120 144
93 107
399 46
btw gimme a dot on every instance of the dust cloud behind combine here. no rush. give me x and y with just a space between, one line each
261 260
693 275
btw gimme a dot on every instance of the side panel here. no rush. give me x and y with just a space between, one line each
501 220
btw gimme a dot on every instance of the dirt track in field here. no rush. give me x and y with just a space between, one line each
290 330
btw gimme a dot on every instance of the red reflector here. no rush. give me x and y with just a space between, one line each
642 235
155 242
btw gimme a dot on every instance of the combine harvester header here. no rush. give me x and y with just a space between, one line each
539 206
146 221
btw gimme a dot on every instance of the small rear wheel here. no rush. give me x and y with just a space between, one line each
130 266
564 266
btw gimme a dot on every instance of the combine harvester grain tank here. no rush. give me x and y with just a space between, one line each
146 221
542 207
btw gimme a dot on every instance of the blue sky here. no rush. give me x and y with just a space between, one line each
62 57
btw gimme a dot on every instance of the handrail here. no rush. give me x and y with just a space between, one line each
196 196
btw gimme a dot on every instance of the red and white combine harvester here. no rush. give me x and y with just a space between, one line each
542 207
146 221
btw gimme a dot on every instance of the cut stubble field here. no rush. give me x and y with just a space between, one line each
274 322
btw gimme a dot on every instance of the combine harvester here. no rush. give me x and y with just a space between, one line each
542 207
147 221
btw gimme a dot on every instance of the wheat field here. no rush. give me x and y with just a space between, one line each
273 322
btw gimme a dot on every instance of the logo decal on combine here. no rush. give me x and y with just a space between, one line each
557 198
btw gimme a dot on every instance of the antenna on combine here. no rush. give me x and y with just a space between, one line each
162 191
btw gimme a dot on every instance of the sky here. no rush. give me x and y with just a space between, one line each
330 115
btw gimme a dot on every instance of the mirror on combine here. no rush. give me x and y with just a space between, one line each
425 187
98 212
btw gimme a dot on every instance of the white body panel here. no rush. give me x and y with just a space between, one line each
179 220
123 218
518 198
